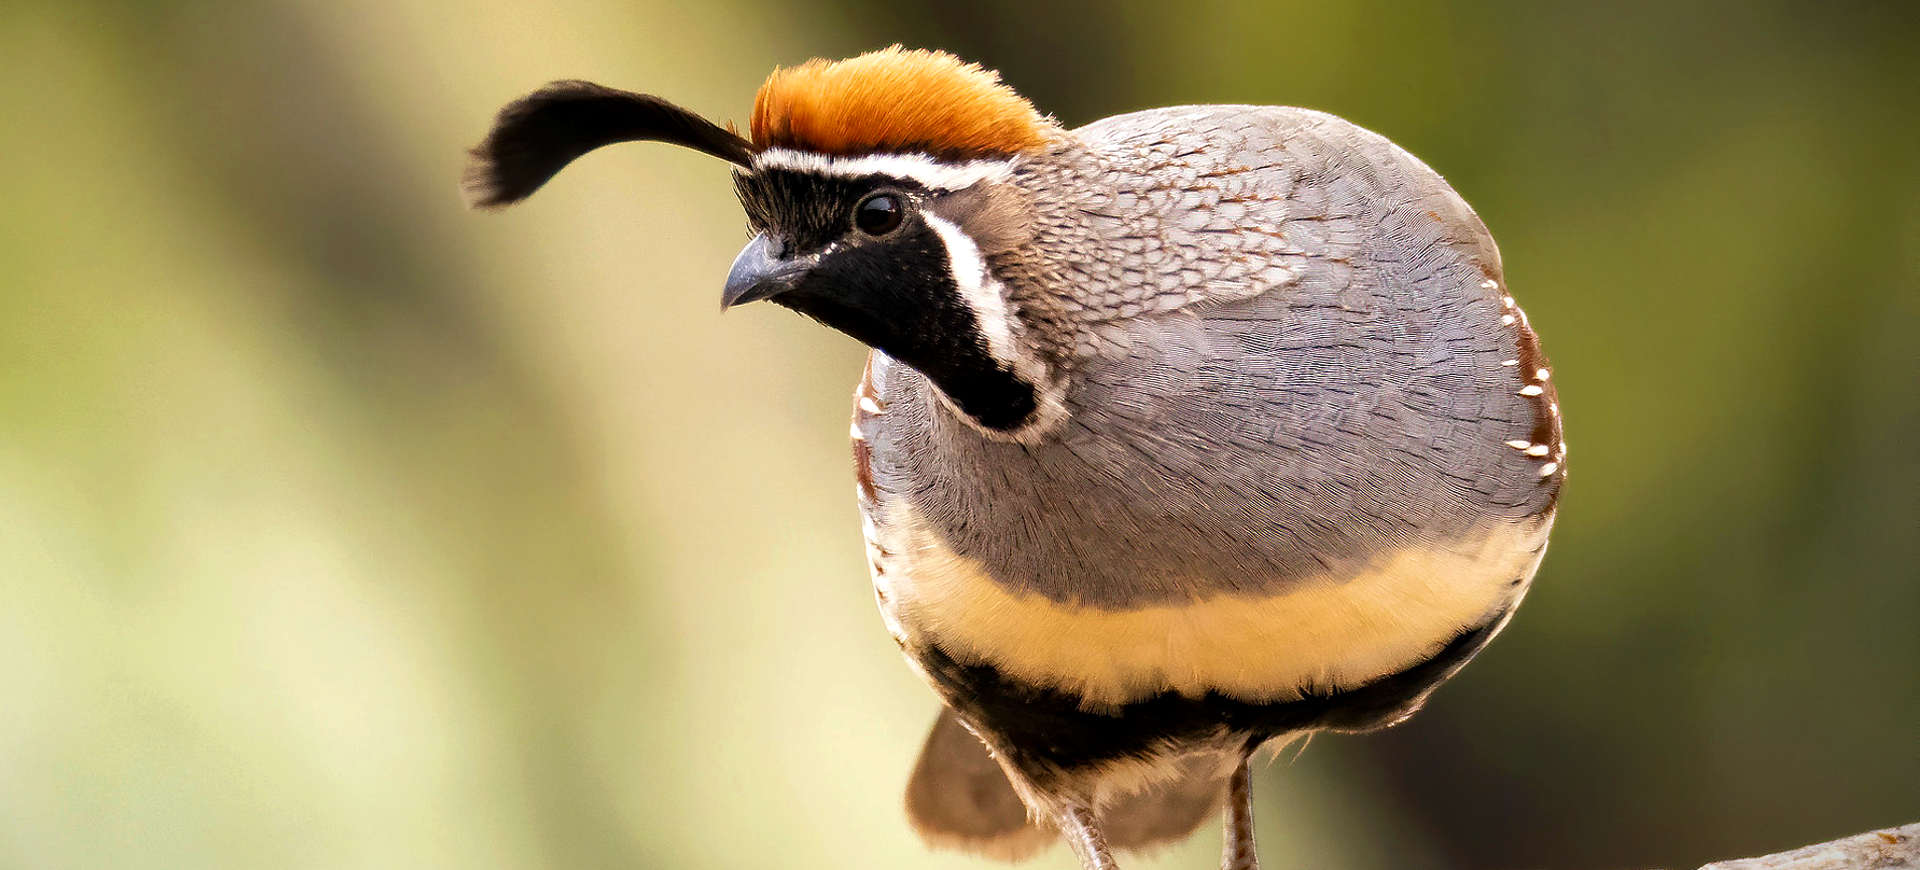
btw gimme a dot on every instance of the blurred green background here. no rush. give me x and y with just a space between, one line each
341 527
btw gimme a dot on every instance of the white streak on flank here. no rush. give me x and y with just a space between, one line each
1538 450
1506 320
1548 469
1531 390
978 290
1507 301
918 168
1491 284
1541 374
1509 362
1554 407
853 429
870 406
1520 444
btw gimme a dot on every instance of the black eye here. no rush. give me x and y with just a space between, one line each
878 215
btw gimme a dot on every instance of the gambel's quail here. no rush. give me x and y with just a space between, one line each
1183 433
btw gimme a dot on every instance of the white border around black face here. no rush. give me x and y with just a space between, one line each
918 168
986 297
978 289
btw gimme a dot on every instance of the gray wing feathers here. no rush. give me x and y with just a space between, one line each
1286 324
1220 203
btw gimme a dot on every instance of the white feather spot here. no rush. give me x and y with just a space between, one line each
1506 320
1531 390
1548 469
1541 374
1538 450
1509 362
1520 444
870 406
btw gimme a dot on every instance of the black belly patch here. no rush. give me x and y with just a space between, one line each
1045 731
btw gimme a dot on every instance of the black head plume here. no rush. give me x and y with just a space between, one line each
539 134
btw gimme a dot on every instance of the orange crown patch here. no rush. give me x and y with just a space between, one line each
896 100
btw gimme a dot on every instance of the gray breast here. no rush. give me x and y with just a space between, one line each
1290 359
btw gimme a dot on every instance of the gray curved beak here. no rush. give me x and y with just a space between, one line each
760 273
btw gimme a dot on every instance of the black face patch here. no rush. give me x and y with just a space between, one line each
894 292
807 211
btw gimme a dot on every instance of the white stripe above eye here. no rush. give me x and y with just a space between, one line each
982 294
918 168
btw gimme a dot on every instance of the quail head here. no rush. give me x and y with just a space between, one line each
1186 432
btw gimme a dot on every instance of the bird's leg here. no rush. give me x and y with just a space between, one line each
1239 853
1083 834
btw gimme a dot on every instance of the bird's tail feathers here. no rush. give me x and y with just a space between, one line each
958 798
